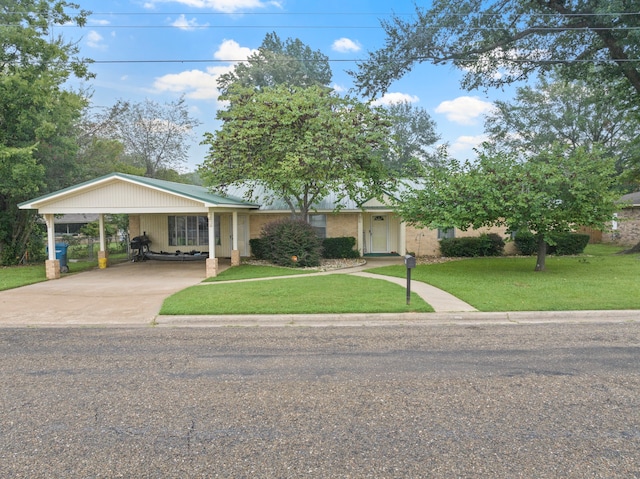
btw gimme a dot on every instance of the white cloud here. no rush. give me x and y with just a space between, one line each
231 51
396 97
225 6
95 40
184 24
464 110
203 85
466 144
338 88
344 45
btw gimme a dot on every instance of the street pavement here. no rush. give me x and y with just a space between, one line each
444 401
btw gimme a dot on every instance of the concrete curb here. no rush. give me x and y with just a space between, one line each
409 319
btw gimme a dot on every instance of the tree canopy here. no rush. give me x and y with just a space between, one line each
580 113
300 144
553 192
37 116
153 135
280 62
498 42
412 139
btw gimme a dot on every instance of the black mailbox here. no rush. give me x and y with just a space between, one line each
410 261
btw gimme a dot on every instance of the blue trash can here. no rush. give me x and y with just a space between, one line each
61 255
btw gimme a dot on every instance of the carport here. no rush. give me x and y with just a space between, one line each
146 201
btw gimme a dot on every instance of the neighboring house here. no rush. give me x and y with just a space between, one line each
71 224
177 216
626 229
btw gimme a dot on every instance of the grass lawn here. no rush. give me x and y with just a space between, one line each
247 271
305 295
598 280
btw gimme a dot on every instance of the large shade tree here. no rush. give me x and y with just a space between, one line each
497 42
37 115
279 62
296 144
154 135
580 113
412 139
553 192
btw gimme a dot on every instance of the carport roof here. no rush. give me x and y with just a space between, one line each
195 193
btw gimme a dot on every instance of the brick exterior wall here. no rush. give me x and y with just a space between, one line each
628 232
424 242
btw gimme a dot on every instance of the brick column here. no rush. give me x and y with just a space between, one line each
235 257
52 268
212 267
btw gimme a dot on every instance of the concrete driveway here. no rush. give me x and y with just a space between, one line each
122 294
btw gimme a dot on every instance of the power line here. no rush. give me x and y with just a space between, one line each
354 60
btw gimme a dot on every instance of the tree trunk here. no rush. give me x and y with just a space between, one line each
542 254
633 250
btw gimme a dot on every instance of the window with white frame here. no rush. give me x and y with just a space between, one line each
319 224
190 230
446 233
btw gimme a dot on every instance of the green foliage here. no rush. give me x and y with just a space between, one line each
339 248
559 243
37 117
472 246
413 134
278 62
292 243
258 248
153 135
526 242
298 144
568 244
548 194
583 112
497 43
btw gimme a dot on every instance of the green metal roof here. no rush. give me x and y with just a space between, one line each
198 193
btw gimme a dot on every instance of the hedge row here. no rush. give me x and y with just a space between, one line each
471 246
331 248
565 243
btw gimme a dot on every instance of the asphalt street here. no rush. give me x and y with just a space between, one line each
489 400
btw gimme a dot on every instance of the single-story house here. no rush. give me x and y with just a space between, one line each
625 230
181 217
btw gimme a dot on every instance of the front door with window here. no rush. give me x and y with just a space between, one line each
379 234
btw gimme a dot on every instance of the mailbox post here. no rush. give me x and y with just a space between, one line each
410 263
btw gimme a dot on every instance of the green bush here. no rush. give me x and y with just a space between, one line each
564 243
568 244
258 250
471 246
339 247
292 243
526 242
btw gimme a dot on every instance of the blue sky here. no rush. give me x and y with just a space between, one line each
194 41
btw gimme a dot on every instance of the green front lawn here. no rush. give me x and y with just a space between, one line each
247 271
598 280
337 293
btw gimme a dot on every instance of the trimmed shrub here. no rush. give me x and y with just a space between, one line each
339 248
291 243
568 244
526 243
471 246
258 250
565 243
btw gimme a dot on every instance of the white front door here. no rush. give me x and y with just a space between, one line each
379 234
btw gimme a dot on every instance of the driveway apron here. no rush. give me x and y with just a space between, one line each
122 294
